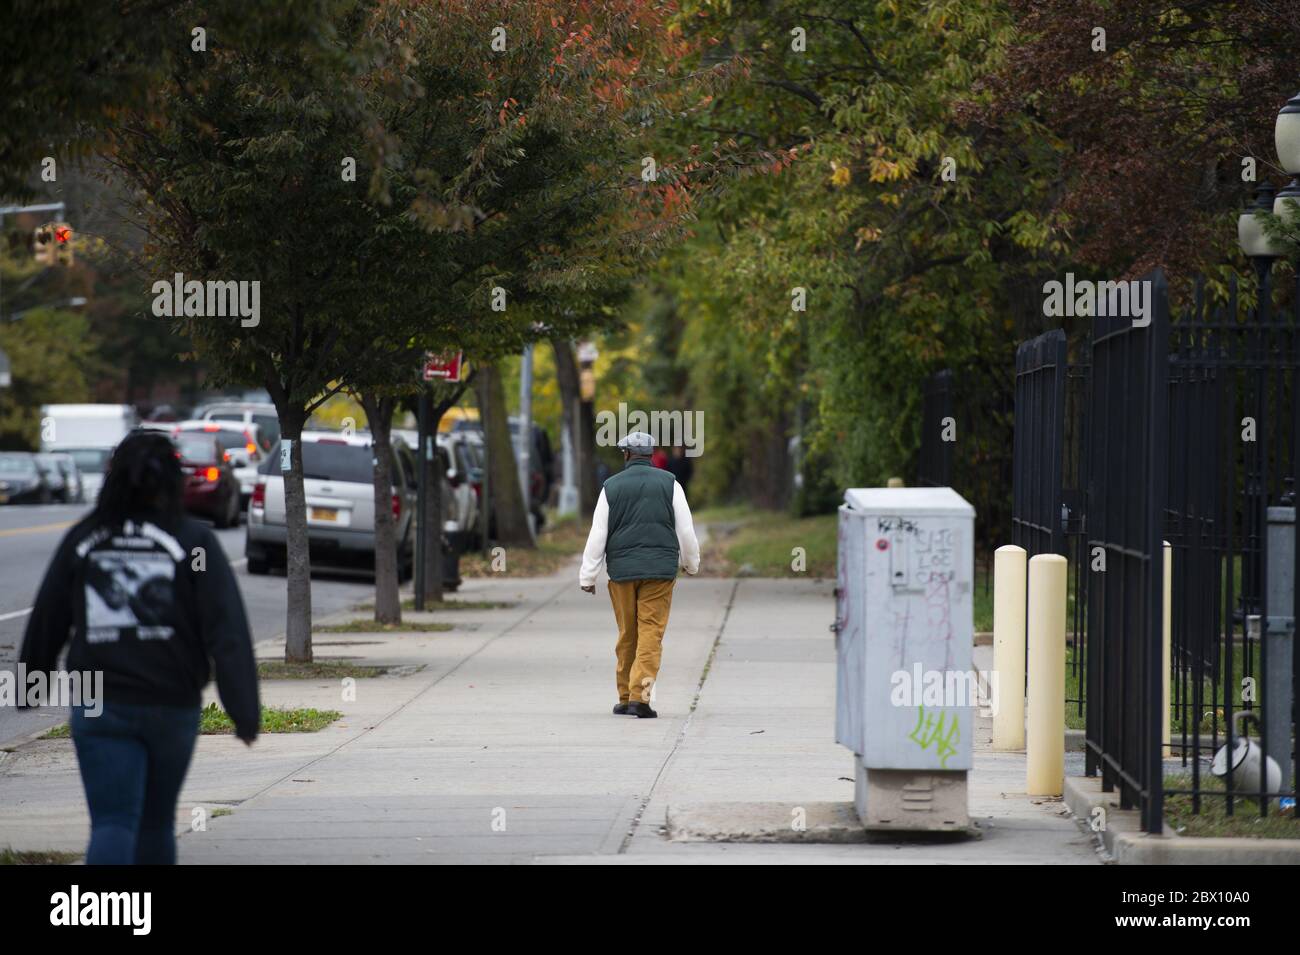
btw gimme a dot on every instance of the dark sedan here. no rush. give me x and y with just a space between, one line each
21 481
211 489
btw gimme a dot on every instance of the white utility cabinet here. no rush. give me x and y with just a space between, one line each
906 689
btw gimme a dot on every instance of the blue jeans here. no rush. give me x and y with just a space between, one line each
133 760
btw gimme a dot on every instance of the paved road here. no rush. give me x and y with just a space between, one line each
28 538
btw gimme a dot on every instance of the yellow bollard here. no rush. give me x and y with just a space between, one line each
1045 737
1009 647
1168 616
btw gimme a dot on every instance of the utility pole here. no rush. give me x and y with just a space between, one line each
422 490
568 489
523 450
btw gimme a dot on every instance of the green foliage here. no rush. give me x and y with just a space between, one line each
50 351
905 270
73 68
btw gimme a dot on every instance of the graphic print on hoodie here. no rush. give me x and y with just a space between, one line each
130 584
154 606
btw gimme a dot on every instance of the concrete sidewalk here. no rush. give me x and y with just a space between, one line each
501 747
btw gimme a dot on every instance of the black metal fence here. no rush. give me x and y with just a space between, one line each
1049 475
1127 449
1182 432
1038 455
1233 421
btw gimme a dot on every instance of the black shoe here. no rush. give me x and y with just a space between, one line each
620 709
641 711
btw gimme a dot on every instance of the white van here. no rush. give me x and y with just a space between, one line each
88 433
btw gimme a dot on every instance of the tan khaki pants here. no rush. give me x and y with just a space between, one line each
641 610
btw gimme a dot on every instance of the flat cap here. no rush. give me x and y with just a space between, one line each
638 442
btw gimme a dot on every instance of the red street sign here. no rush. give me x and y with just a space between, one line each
447 367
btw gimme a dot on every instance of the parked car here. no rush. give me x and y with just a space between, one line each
71 476
247 412
92 464
242 442
460 502
473 458
21 480
55 479
338 476
211 489
541 462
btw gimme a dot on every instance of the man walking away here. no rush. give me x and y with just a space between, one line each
642 531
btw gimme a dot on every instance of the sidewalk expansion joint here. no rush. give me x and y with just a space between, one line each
686 724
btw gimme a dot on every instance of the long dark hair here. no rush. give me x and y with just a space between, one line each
144 478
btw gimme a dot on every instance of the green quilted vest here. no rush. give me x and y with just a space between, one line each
642 539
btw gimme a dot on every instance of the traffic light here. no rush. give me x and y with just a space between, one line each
63 243
52 243
43 244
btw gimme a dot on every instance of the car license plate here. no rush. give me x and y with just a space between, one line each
324 514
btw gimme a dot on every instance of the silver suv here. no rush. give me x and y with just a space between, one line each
338 475
245 412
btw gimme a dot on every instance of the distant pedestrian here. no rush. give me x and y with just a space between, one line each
642 532
659 459
145 596
681 468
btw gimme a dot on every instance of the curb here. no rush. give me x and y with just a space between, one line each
1124 841
825 823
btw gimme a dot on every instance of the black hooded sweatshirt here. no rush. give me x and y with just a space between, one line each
149 602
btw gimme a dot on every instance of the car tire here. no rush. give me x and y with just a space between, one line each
230 516
258 566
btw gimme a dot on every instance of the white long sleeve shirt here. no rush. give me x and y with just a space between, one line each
593 557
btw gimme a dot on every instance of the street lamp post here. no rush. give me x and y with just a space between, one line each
1257 245
1281 665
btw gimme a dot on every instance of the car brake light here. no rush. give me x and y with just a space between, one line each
212 474
259 494
212 427
397 506
478 492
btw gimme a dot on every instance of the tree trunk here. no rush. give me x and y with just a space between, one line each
388 602
566 373
297 638
507 500
584 451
